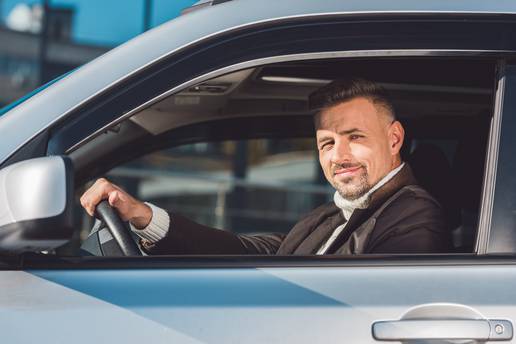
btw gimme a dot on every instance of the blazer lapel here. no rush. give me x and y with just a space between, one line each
320 234
308 233
359 216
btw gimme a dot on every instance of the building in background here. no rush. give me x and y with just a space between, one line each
42 39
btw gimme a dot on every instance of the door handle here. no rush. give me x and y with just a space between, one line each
474 329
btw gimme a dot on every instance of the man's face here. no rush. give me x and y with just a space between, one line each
358 145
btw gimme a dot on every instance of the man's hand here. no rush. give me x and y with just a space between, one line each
129 208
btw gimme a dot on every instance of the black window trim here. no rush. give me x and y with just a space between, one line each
488 190
33 261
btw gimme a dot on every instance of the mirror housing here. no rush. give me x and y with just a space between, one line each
36 204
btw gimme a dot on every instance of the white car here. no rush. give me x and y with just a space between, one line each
208 114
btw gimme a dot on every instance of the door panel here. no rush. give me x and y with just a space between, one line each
277 305
34 310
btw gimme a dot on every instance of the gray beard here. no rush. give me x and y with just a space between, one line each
356 192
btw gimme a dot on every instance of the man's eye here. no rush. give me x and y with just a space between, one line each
326 145
355 137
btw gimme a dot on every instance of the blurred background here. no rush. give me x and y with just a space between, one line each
43 39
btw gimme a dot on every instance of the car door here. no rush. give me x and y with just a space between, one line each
212 299
256 299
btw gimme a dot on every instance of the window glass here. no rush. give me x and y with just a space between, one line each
262 185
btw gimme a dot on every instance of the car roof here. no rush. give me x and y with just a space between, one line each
29 118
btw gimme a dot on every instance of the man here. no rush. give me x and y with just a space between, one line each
377 208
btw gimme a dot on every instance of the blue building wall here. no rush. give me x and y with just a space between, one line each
109 22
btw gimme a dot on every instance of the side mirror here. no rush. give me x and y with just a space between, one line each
36 199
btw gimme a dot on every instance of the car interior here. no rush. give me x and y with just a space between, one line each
241 145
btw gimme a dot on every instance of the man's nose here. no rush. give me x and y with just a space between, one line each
341 153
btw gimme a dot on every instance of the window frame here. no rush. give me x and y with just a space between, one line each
245 261
285 40
67 131
33 261
501 240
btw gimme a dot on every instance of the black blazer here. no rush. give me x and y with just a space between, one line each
402 218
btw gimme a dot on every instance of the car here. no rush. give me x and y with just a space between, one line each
207 114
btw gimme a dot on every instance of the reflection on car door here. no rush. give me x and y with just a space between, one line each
278 305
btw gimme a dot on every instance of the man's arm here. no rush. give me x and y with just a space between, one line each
188 237
164 233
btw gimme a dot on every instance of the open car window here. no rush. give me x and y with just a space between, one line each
237 152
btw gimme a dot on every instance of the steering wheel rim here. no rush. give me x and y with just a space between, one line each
117 228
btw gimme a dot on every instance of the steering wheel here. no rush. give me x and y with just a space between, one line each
117 228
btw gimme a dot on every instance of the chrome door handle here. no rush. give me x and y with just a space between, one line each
475 329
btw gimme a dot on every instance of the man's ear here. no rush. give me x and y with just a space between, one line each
396 136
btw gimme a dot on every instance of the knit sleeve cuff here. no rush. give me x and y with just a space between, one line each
158 227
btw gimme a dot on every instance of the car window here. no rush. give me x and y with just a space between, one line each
237 152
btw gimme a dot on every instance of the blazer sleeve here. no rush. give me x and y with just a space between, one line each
188 237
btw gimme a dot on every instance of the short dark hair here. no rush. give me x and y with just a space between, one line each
343 90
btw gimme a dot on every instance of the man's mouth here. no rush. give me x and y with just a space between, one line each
348 171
